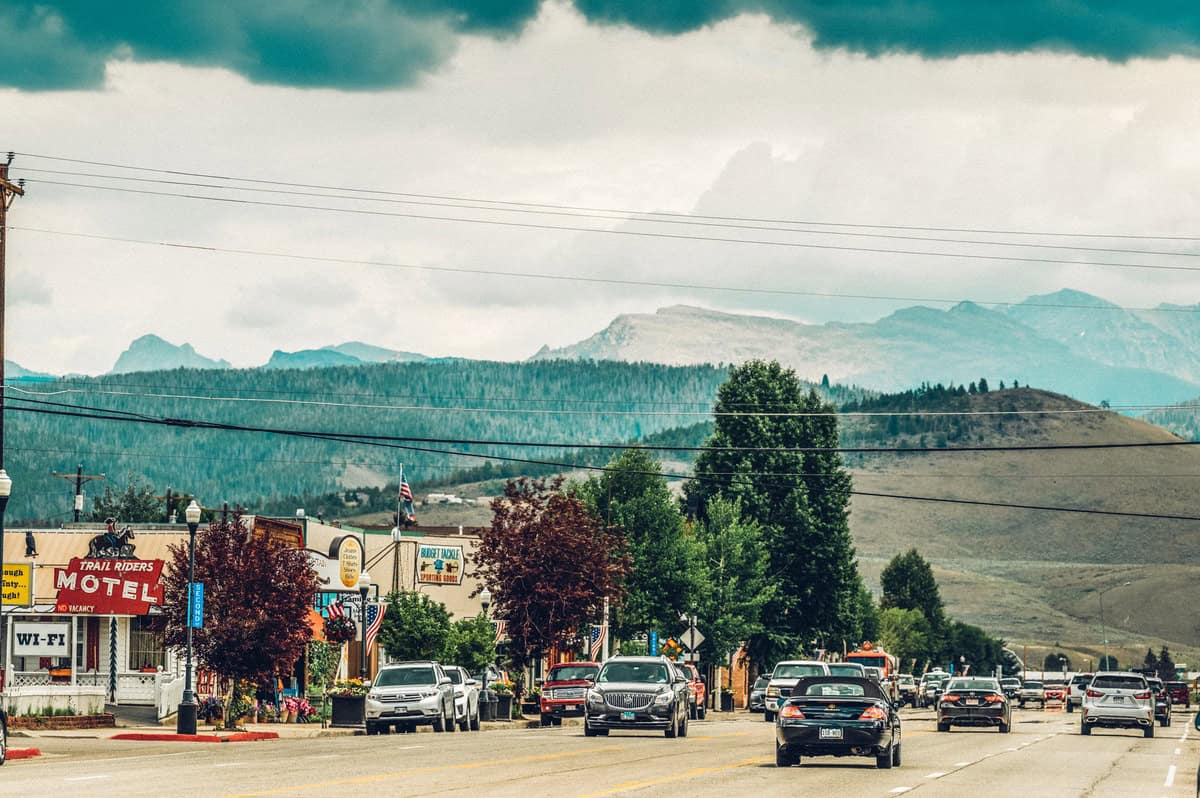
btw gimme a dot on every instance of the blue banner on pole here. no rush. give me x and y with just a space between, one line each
196 605
654 644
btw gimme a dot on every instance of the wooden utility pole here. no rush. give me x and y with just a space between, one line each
9 191
80 478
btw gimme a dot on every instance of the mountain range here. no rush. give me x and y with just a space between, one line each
152 353
1068 341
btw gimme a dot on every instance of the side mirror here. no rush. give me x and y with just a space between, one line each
472 683
539 682
367 685
444 680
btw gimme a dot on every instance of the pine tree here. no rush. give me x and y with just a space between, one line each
1150 662
1166 665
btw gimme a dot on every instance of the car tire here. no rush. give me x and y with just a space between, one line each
703 712
3 741
1070 706
1165 722
1005 728
372 729
556 721
943 727
475 719
693 712
1084 729
896 755
768 716
452 721
683 730
465 723
1148 731
784 759
547 720
672 731
439 723
884 760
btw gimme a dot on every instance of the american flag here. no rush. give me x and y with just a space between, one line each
501 631
375 613
596 643
406 498
334 610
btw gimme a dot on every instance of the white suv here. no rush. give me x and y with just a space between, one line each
466 697
784 678
1118 700
408 695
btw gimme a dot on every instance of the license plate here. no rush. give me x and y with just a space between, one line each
628 715
972 702
1118 699
570 707
830 734
401 708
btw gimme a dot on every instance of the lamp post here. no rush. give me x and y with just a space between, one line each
485 601
185 718
1104 630
364 584
5 490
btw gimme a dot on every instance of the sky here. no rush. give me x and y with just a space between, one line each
1030 115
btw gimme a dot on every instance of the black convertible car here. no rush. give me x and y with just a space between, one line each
837 716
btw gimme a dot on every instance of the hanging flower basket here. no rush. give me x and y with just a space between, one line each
339 630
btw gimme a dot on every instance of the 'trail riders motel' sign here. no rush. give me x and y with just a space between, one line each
108 587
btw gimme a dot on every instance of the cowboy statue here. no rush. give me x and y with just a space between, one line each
112 545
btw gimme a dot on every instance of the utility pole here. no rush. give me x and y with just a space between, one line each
80 478
9 191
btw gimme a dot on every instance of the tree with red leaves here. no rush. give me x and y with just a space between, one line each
549 564
257 595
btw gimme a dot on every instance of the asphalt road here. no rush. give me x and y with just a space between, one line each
1043 756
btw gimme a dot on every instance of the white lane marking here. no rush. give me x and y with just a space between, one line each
1170 776
88 778
1177 752
937 775
1011 749
234 764
1186 729
898 790
961 764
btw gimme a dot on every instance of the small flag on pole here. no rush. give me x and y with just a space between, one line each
334 611
597 641
501 631
375 613
406 499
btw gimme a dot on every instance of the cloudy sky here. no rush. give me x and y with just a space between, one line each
1031 115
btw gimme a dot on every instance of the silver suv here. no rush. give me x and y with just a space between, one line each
783 680
1118 700
408 695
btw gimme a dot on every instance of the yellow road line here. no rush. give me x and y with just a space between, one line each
370 779
690 774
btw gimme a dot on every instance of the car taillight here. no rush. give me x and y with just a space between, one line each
873 713
789 711
993 699
1094 693
1142 696
950 697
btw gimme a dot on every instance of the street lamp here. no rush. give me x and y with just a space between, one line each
364 584
185 717
485 600
1104 663
5 490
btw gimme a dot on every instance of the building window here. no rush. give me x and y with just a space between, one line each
145 646
80 642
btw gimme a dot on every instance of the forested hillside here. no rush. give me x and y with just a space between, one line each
552 401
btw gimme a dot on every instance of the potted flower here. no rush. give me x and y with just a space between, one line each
340 630
210 709
531 702
504 695
348 697
726 699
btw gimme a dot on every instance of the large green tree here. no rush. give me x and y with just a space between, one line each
1166 665
471 644
667 576
414 627
905 634
133 504
764 417
908 584
970 645
737 588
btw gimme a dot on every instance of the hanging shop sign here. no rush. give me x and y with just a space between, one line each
338 571
108 587
275 530
41 639
16 583
440 565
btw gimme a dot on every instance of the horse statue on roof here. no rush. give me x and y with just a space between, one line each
111 544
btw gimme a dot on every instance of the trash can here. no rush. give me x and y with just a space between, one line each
487 705
726 702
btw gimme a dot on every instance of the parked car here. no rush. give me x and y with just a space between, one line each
638 693
1076 688
1179 693
906 686
698 689
408 695
930 688
466 697
3 735
564 690
758 694
1162 701
1031 691
974 702
784 678
1011 687
837 716
1118 700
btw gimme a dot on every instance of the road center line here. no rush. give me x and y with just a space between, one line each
229 764
1177 750
898 790
937 775
688 774
88 778
962 764
1170 777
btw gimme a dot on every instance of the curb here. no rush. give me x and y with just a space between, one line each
22 753
240 737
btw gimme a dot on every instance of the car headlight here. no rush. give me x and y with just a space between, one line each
773 692
374 696
547 694
428 693
595 697
663 698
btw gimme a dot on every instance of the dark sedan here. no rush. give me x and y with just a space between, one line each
758 694
974 702
1162 701
837 716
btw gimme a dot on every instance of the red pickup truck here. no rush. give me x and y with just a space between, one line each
698 690
564 690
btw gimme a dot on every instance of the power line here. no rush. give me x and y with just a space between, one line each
610 231
393 265
691 222
626 212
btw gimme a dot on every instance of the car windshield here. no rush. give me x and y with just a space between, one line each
835 689
572 672
839 686
1011 682
973 684
797 671
389 677
761 682
936 677
1082 679
1033 685
846 669
906 678
649 672
1177 685
1119 683
455 675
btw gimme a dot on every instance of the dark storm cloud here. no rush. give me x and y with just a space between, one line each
368 44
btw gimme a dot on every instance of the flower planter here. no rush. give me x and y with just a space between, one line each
504 707
348 710
727 702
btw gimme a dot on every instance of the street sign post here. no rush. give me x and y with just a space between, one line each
692 638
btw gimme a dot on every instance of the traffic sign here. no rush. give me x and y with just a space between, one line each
692 638
196 605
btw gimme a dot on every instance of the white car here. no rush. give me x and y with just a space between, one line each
784 678
408 695
1118 700
466 697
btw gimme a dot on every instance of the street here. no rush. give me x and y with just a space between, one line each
1043 756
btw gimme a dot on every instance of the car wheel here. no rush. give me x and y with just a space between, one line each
896 755
547 720
3 741
465 723
1070 707
768 716
884 760
943 727
672 731
1084 729
784 759
1148 731
475 719
557 721
683 730
439 723
703 712
1005 728
452 721
372 729
1165 722
1021 705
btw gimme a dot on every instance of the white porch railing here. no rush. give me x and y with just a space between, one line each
133 687
170 693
